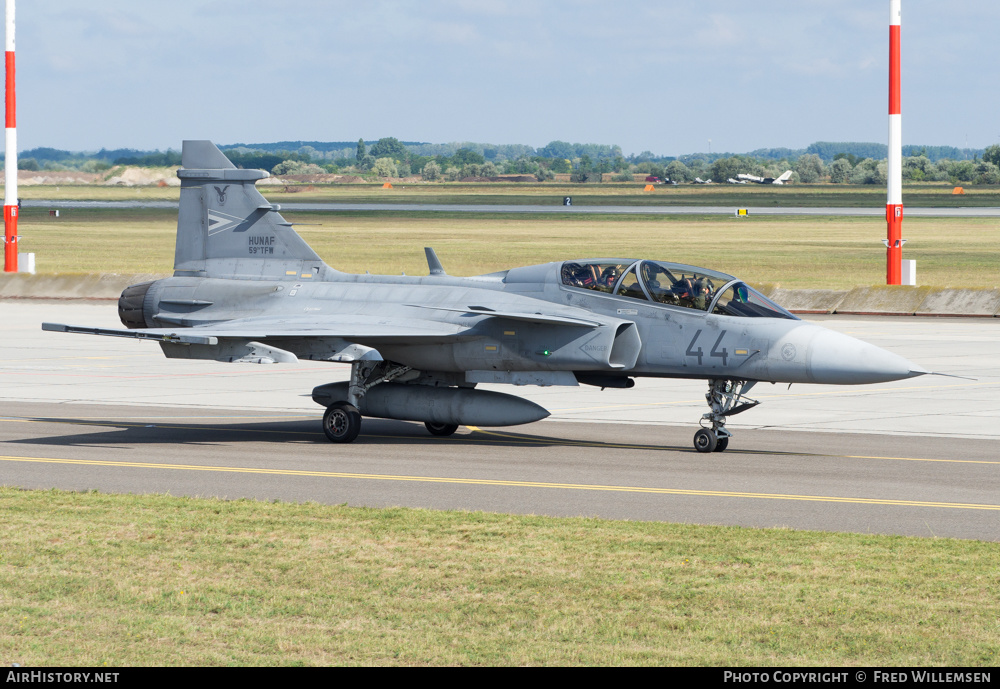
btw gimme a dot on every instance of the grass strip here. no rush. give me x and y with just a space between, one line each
795 252
93 579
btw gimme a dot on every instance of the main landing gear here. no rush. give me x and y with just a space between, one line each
725 398
342 419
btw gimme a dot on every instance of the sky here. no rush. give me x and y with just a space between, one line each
668 77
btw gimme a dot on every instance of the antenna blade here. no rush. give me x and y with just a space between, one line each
433 264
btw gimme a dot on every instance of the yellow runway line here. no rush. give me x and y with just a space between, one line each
503 483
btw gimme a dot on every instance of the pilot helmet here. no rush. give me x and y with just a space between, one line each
701 293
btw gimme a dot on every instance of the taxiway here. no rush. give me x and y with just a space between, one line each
914 457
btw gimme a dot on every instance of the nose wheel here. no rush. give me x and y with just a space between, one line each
725 398
707 440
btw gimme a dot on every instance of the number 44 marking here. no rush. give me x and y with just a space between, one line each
716 352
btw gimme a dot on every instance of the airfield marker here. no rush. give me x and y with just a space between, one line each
10 161
894 203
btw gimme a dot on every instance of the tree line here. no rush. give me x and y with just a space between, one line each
837 163
390 158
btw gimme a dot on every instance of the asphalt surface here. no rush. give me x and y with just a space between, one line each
858 483
569 210
916 457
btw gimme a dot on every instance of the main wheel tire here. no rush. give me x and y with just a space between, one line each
705 440
441 429
722 444
341 422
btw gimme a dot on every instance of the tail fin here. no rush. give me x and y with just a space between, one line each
785 176
226 229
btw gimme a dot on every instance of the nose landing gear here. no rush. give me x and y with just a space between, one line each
725 398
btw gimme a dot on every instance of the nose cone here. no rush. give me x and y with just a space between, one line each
839 359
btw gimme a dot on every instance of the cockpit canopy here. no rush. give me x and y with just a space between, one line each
673 284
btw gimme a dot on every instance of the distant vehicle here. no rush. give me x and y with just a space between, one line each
654 179
744 178
247 288
699 180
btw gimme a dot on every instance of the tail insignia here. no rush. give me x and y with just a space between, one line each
217 222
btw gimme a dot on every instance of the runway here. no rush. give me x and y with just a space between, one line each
915 212
916 457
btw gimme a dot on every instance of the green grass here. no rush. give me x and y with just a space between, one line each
92 579
795 252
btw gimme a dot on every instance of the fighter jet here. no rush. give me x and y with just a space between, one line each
247 288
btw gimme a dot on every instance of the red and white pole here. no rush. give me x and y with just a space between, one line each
894 203
10 160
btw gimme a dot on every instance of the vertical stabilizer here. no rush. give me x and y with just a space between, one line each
226 229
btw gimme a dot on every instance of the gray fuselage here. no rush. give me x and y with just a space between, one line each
667 341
